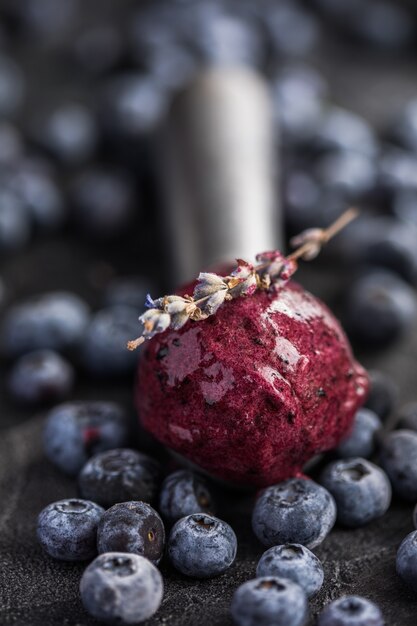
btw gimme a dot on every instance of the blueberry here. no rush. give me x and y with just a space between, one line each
133 527
361 440
41 376
171 66
384 24
295 562
404 206
405 128
127 291
348 171
104 351
118 476
15 224
297 95
340 129
398 170
399 460
351 611
380 307
407 416
133 105
382 394
55 320
12 86
68 132
103 201
183 492
415 516
39 192
202 546
76 430
67 529
297 510
269 601
407 560
361 489
292 31
121 588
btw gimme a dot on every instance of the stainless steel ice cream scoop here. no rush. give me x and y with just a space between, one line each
219 166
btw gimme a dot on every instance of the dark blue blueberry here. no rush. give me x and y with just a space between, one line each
415 516
351 611
347 171
379 308
12 86
99 48
55 320
382 395
398 170
103 201
67 529
46 19
35 185
361 440
269 601
171 66
119 475
41 376
121 588
292 31
340 129
15 222
297 510
183 492
76 430
127 291
407 416
69 133
399 460
227 38
361 490
407 560
404 206
298 94
133 527
202 546
295 562
133 105
104 351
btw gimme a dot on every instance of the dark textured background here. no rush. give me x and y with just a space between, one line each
34 589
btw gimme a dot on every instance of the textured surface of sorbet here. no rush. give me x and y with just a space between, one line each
252 393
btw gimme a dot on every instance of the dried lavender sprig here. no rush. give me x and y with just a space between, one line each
212 290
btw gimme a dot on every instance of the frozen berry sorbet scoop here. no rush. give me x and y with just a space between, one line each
252 393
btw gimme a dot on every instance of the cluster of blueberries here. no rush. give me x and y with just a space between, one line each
114 517
87 160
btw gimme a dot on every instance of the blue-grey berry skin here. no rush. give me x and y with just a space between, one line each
74 431
382 395
127 291
269 601
294 511
55 321
67 529
407 560
15 224
41 376
104 352
182 493
121 588
399 459
133 527
119 475
361 489
295 562
351 611
202 546
415 516
361 441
